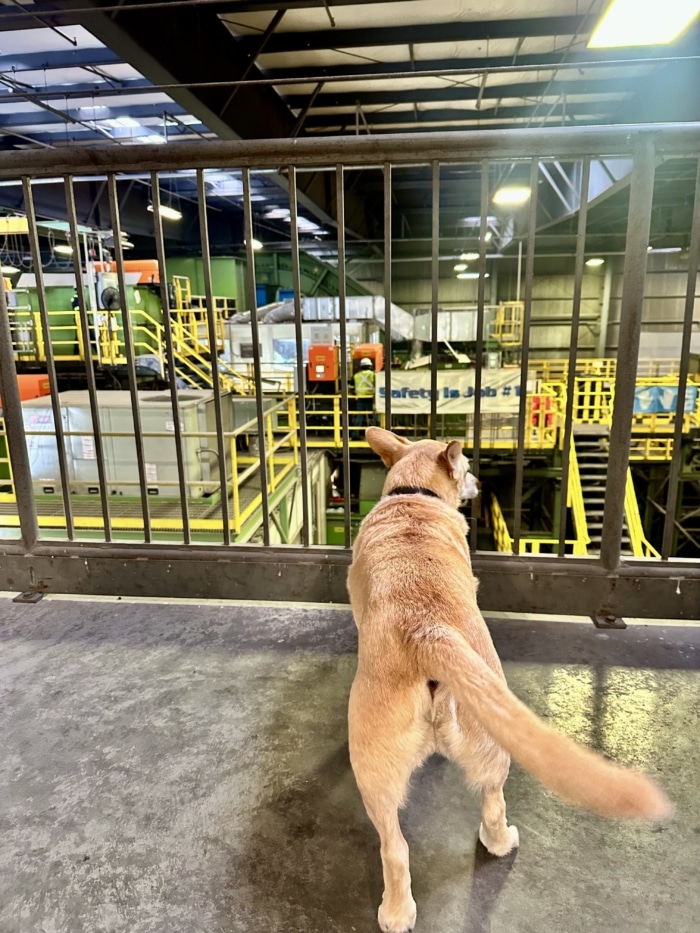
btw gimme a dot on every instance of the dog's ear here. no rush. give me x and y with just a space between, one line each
388 445
451 459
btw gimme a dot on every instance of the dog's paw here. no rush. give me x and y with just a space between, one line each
400 920
500 847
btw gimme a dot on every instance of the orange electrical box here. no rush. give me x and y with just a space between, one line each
148 269
323 363
32 386
373 351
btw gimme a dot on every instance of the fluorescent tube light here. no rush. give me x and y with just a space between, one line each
471 275
512 196
65 249
642 22
256 244
461 267
169 213
595 261
469 257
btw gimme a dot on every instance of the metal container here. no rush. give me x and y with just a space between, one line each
199 450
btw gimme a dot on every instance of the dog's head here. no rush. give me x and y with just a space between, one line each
443 468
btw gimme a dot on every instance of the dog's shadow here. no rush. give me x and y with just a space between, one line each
310 860
489 879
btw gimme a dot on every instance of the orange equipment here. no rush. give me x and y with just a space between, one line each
373 351
323 363
32 386
147 268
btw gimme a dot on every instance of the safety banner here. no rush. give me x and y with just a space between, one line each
410 391
662 399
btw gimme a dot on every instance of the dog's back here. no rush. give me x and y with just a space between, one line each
428 677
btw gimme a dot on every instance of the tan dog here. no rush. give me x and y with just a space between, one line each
429 679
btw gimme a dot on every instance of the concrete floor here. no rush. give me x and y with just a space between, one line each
183 769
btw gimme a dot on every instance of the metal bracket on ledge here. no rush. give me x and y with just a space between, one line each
30 596
608 620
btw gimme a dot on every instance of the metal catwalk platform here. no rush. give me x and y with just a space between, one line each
182 768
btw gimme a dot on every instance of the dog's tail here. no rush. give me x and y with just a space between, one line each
575 773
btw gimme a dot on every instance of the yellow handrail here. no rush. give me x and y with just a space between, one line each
640 546
574 501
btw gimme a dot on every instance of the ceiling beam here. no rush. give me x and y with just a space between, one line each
419 34
103 91
463 92
451 116
621 57
78 135
38 117
261 6
190 46
68 58
59 14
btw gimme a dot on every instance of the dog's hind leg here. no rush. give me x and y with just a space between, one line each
386 745
485 766
495 833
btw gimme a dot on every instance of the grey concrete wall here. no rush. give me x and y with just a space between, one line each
552 299
664 302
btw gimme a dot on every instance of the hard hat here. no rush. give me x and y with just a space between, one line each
366 361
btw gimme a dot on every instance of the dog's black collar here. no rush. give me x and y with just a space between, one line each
412 491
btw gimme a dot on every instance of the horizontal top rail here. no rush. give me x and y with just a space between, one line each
559 142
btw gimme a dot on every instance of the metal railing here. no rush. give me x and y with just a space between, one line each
610 584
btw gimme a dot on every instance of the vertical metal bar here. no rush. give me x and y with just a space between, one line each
573 348
257 370
14 432
480 302
170 356
129 353
89 369
525 357
387 294
301 369
340 213
638 224
35 251
214 356
605 312
434 299
693 263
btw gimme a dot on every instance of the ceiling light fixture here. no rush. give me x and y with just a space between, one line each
512 196
642 22
168 213
595 261
460 267
471 275
65 249
469 257
256 244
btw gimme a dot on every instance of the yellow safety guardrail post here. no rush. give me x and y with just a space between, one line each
337 436
641 547
236 517
270 452
576 504
293 427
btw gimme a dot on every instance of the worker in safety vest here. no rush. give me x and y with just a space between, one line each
363 381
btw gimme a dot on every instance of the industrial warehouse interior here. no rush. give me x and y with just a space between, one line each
234 235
